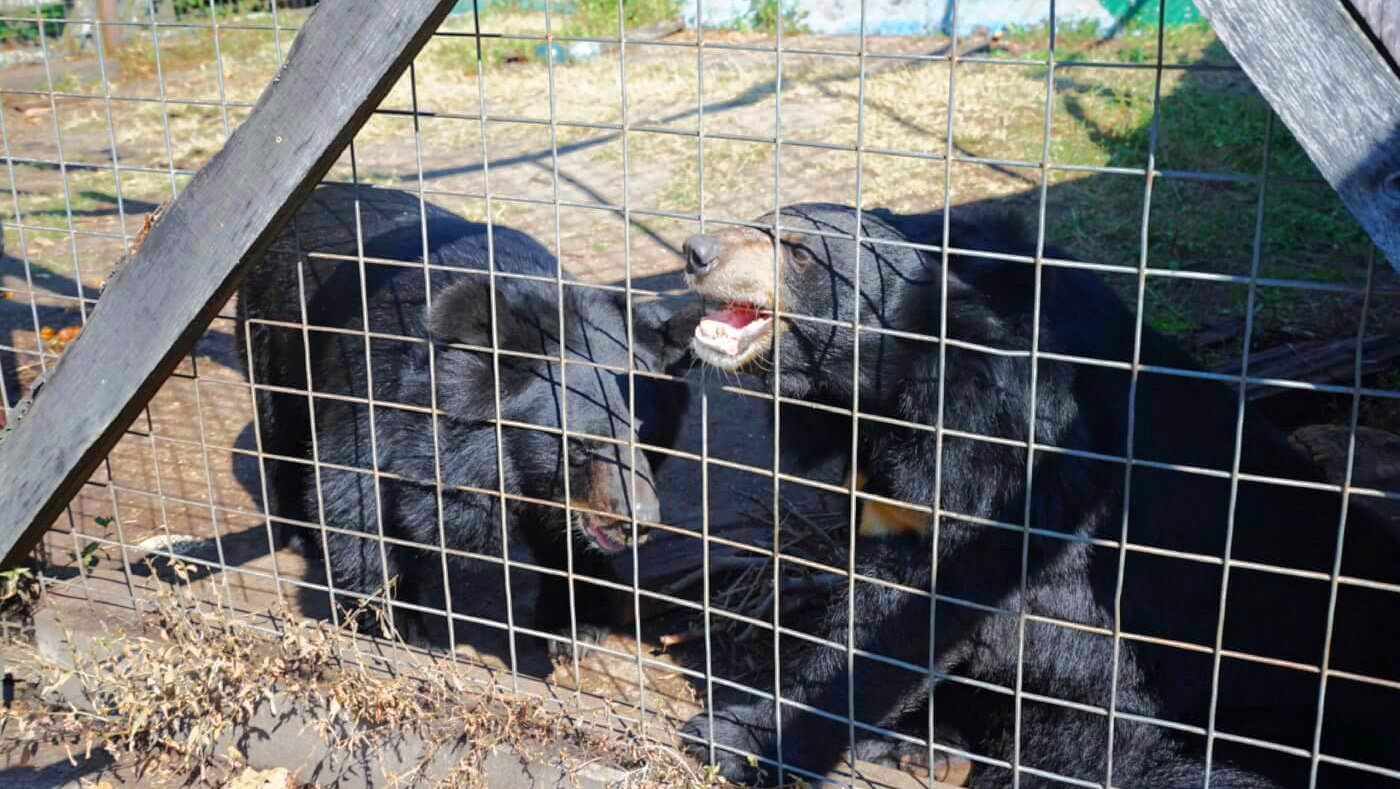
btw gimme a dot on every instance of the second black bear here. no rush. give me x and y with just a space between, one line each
394 486
1032 611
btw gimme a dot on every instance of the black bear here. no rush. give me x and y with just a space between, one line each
1045 530
394 486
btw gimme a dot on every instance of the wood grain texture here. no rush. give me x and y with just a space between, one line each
1335 91
345 60
1315 361
1383 19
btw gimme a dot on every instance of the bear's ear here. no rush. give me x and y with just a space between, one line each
662 330
461 313
984 278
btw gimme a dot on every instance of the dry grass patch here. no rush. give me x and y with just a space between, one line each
164 701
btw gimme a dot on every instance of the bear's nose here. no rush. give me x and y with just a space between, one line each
701 253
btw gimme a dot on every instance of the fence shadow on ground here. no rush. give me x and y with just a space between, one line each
1077 208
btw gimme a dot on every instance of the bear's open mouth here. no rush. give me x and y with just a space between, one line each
608 535
734 335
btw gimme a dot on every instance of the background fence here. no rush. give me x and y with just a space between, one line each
1141 148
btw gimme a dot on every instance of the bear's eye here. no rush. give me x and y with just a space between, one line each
578 453
798 253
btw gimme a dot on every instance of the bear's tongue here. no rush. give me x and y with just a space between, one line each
732 330
735 315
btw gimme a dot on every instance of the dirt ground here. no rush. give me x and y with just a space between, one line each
186 474
172 106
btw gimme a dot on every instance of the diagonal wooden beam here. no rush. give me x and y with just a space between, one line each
345 60
1334 89
1382 19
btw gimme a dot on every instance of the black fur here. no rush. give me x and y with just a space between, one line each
405 505
1179 420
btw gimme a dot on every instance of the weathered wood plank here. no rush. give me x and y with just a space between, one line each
1383 19
346 58
1335 91
1315 361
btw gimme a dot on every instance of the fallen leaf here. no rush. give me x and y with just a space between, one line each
250 778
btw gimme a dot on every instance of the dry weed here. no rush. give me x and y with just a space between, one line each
20 591
165 703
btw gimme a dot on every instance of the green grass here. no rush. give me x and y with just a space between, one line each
1209 123
1390 380
223 8
1167 314
764 15
460 55
581 19
66 83
27 31
185 50
598 18
90 190
1280 302
1135 42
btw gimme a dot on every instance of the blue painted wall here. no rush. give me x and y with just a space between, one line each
913 17
907 17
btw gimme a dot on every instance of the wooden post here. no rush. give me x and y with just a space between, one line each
346 58
1334 89
1382 18
111 34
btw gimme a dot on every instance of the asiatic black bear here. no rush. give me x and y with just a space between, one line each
1033 610
437 478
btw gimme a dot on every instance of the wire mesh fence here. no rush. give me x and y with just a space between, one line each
700 369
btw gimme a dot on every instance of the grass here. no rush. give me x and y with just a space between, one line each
580 19
1135 42
598 18
183 51
462 56
764 16
1210 122
27 31
184 9
583 19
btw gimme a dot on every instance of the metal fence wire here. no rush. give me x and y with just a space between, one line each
314 451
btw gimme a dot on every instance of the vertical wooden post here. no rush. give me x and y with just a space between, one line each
111 34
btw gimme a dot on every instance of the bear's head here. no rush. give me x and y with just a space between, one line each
539 398
785 302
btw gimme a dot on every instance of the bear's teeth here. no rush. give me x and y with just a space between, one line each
724 338
751 332
715 329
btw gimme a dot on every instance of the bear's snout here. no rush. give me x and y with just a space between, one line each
701 253
612 489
